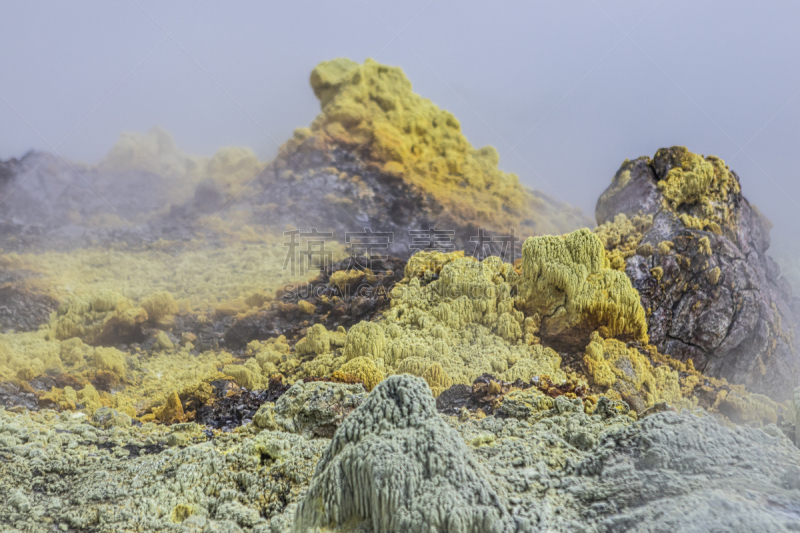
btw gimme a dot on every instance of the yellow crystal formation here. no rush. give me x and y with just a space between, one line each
566 285
621 238
694 179
87 318
447 331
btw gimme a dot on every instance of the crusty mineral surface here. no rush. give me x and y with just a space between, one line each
545 466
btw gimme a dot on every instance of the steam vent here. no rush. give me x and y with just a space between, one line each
212 349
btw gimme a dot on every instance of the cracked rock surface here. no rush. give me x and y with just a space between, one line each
712 293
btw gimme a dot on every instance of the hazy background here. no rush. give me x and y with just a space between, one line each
565 90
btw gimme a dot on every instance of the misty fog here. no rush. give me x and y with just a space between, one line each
564 91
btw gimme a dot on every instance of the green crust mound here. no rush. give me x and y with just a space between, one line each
397 466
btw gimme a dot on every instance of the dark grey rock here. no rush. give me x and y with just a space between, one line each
739 327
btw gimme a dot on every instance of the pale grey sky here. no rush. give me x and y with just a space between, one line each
574 87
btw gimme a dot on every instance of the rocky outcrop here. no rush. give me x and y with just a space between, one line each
47 200
659 473
380 156
314 409
144 189
711 292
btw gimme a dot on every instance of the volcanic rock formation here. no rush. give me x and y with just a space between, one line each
381 157
398 466
711 292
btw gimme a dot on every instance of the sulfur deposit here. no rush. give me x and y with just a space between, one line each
550 466
199 360
446 331
566 285
373 108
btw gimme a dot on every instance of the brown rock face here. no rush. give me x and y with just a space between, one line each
711 292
